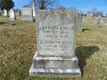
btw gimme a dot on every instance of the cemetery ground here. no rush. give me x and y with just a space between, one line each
18 45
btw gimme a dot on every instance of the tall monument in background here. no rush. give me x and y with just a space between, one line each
33 6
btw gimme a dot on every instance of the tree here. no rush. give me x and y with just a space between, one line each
6 4
93 10
96 12
72 8
43 4
61 8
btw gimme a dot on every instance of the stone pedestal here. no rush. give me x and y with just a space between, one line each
56 38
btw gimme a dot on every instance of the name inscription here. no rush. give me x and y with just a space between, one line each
56 38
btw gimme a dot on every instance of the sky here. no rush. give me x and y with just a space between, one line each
82 5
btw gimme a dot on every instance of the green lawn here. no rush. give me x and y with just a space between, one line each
18 46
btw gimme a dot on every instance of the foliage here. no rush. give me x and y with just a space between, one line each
96 12
7 4
44 4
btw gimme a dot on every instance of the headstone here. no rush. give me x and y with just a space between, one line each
27 14
18 13
88 20
33 6
5 13
106 22
56 38
83 20
102 21
97 22
79 23
12 14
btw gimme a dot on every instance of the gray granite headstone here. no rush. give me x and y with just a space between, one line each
12 14
102 21
18 13
106 22
56 39
88 20
5 13
97 22
83 20
79 23
27 14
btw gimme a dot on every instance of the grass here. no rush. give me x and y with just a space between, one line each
18 46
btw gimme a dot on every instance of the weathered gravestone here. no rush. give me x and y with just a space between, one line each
102 21
106 22
56 38
88 20
27 14
83 20
97 22
12 14
18 13
5 13
79 23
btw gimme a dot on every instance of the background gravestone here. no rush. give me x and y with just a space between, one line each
97 22
18 13
106 22
88 20
33 7
102 21
79 23
27 14
56 38
12 14
83 20
5 13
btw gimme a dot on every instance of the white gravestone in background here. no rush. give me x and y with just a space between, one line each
88 20
97 22
79 25
56 39
18 12
33 6
27 14
83 20
5 13
106 22
12 14
102 21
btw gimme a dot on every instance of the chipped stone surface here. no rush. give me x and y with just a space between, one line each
56 38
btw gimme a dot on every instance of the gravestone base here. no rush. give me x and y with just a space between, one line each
55 67
28 19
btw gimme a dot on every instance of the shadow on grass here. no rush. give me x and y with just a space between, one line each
3 23
84 30
84 52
